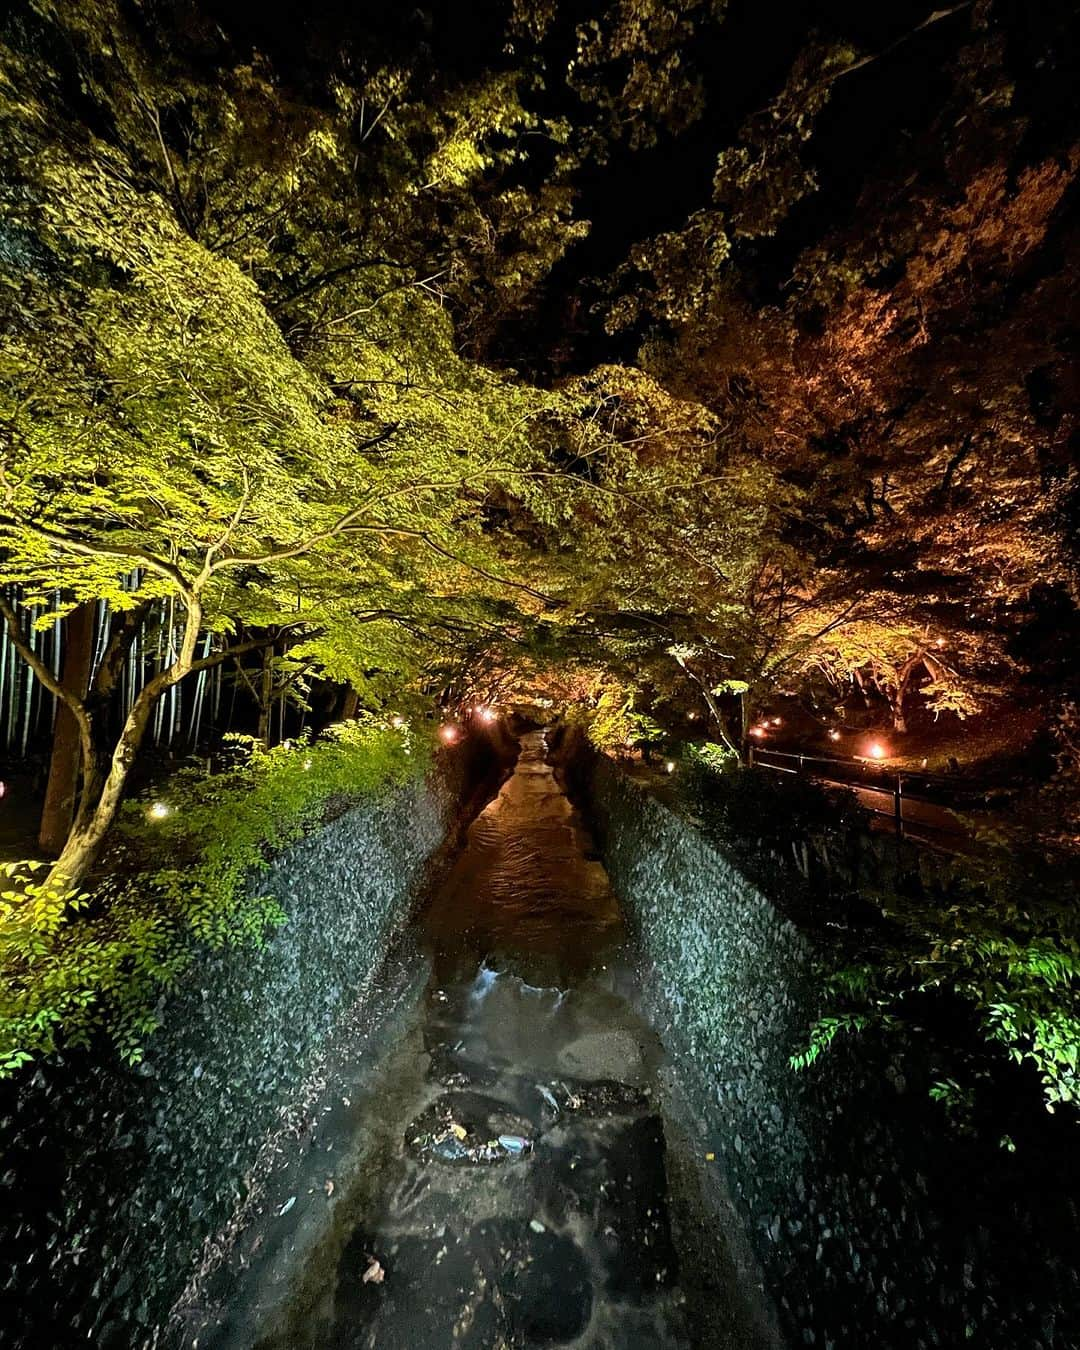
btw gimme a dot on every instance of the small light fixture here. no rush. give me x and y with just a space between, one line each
448 733
876 750
669 766
834 735
487 714
757 731
397 721
158 811
776 722
692 716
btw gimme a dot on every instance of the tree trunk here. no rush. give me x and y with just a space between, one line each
266 697
98 811
744 726
64 764
350 704
903 683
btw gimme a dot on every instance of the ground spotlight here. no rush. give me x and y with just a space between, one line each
158 811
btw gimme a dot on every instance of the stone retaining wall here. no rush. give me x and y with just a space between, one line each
874 1225
113 1179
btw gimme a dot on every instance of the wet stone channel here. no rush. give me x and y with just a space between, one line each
504 1175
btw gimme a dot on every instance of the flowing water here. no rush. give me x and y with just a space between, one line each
504 1178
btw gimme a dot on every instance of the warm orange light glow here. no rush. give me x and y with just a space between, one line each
486 714
692 716
876 750
776 722
448 733
940 642
834 735
757 731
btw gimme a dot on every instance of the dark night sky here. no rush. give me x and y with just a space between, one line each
874 121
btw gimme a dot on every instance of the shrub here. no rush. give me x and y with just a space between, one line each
73 965
992 939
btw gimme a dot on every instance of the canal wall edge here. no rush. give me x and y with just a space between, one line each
871 1222
114 1180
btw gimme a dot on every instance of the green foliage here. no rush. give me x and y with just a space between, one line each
711 756
614 725
1006 953
994 938
74 965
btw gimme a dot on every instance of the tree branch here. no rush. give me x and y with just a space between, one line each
85 549
124 627
325 278
40 669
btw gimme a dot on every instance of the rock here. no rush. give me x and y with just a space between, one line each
604 1054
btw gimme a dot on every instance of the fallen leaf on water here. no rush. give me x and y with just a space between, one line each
374 1273
460 1131
329 1187
710 1157
287 1206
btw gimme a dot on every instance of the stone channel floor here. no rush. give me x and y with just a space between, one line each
502 1180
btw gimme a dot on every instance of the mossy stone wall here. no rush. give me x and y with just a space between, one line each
113 1179
874 1224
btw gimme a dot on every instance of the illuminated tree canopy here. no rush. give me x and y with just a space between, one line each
413 354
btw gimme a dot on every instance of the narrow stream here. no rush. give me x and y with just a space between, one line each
503 1179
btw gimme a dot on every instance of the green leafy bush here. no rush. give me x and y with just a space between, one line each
76 964
1017 971
992 940
711 756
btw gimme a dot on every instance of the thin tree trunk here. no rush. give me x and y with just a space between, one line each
95 817
266 697
744 726
903 684
97 811
60 795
